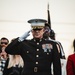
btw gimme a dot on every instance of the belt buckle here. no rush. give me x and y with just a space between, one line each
35 69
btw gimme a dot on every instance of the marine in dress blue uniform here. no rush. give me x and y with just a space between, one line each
37 53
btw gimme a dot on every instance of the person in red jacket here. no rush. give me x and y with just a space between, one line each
70 67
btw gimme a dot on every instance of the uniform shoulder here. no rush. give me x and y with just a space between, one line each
53 40
58 42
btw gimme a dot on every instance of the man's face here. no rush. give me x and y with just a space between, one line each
4 43
38 33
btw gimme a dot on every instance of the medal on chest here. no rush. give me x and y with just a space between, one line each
47 47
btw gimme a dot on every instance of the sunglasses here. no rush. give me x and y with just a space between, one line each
37 29
4 43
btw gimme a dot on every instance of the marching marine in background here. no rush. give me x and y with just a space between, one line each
50 35
37 53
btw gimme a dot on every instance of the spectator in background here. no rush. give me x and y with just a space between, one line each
70 67
3 55
14 65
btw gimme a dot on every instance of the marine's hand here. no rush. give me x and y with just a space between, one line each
24 36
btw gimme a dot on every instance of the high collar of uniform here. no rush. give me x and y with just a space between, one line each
37 40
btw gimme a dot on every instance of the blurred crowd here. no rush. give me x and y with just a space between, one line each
9 64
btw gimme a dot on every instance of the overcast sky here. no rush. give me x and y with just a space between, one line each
14 15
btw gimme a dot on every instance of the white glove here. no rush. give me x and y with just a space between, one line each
24 36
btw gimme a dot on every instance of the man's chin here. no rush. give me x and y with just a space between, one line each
37 37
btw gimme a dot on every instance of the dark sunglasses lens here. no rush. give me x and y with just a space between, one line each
4 43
